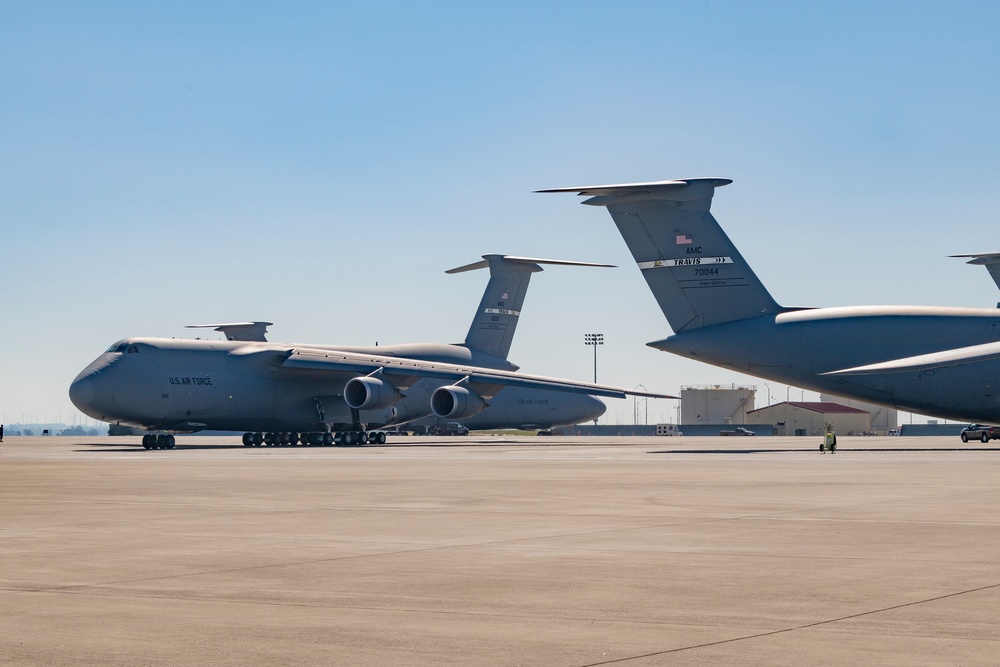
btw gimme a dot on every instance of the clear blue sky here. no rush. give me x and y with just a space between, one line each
321 165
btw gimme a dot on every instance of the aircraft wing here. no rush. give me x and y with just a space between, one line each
953 357
406 371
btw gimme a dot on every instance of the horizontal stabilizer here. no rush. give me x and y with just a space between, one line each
648 190
954 357
243 331
991 260
484 262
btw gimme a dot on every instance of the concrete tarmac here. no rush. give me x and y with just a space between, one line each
500 551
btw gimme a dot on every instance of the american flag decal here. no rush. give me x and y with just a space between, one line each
684 239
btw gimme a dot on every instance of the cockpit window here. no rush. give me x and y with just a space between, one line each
123 347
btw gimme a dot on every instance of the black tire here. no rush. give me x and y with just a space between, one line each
985 437
821 446
965 437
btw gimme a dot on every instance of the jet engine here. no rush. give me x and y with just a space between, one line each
368 393
454 402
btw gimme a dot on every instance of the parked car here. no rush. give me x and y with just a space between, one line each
739 430
980 432
449 428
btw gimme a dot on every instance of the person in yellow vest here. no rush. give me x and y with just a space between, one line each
829 442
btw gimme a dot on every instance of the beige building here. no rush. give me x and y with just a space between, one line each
882 419
811 418
716 404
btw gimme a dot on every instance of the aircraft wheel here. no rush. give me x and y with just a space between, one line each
380 438
985 437
247 439
171 442
328 439
965 438
293 439
258 438
349 439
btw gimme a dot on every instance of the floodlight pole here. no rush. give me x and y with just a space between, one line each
595 340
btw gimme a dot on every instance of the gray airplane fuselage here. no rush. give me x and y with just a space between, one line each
798 346
939 361
185 385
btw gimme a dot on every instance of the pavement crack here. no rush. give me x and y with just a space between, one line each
795 628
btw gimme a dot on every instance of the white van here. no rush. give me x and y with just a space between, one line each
668 429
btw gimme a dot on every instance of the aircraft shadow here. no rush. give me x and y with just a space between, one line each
815 450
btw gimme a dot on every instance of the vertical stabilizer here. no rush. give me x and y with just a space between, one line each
492 329
696 274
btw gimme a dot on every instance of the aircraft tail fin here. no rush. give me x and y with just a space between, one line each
492 329
696 274
244 331
991 260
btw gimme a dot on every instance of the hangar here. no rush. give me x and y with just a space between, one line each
811 418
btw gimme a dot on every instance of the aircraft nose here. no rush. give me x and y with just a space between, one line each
81 393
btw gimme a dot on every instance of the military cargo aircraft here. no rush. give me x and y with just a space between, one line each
282 394
938 361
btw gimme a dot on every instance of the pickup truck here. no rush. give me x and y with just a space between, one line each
980 432
738 431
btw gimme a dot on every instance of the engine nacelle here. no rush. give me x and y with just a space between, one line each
368 393
454 402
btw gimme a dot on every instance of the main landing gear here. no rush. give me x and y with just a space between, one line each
152 441
314 439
